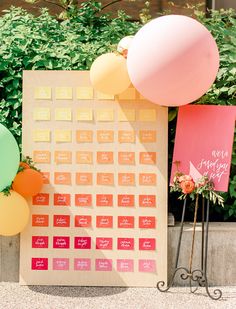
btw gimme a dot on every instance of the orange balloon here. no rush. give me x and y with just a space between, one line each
109 74
28 183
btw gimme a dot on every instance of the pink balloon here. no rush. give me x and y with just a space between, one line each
173 60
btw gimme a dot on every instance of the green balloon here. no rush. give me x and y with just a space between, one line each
9 157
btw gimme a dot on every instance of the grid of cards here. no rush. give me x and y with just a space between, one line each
100 218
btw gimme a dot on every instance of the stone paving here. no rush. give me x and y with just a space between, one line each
14 296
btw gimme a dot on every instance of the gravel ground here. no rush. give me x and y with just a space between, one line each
14 296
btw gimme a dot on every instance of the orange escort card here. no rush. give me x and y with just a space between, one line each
84 136
43 156
84 179
147 200
126 200
126 158
147 179
126 179
83 221
84 157
126 136
41 199
105 157
63 157
126 222
104 221
83 199
61 199
62 178
40 220
105 136
46 177
106 179
104 200
147 157
147 136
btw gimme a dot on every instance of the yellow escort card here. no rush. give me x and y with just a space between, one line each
84 114
63 136
42 113
104 96
126 115
147 115
128 94
64 93
84 93
63 114
43 93
105 115
41 135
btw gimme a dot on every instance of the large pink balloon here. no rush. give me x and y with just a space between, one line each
173 60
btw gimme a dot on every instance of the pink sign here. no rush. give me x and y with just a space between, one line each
60 264
82 264
125 265
147 266
203 142
103 265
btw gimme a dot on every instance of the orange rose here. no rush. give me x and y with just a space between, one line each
187 186
185 178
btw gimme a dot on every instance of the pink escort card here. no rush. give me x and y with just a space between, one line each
101 218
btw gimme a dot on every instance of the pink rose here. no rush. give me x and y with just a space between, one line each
187 186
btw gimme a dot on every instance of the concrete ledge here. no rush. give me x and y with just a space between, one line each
221 253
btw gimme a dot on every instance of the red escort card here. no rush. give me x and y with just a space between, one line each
125 200
147 244
104 200
61 199
83 221
82 243
61 242
147 200
104 243
40 242
104 221
147 222
61 220
125 244
83 199
125 222
41 199
39 264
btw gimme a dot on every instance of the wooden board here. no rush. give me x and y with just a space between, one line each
101 219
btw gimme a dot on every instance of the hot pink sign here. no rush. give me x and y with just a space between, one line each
147 244
39 264
39 241
82 242
203 142
61 242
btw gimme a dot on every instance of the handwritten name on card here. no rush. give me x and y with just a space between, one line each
40 220
42 156
60 264
104 243
82 243
61 221
61 199
103 264
82 264
83 200
41 199
125 265
43 93
61 242
104 200
39 264
125 244
40 242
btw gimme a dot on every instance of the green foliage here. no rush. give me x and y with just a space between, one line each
43 43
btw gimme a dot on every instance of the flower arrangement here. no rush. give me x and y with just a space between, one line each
188 187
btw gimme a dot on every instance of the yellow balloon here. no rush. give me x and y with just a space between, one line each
109 74
14 213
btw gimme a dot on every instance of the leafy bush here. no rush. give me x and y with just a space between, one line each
44 43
